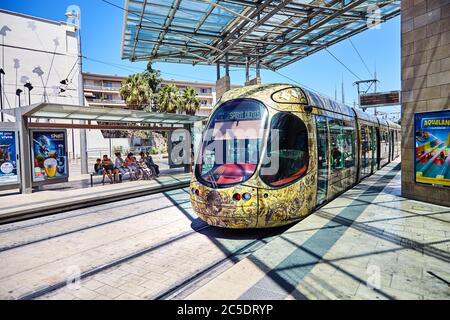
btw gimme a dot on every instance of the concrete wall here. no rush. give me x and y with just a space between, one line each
425 45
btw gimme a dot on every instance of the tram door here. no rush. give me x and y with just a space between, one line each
322 159
365 150
392 146
373 145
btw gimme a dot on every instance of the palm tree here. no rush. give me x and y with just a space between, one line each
153 77
190 103
169 99
135 91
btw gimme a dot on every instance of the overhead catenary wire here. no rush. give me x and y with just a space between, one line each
360 57
343 64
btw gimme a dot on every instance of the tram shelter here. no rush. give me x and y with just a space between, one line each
45 117
243 33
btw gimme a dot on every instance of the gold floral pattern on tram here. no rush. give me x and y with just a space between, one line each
281 206
217 207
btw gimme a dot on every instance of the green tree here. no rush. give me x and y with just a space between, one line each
169 99
190 102
135 91
153 78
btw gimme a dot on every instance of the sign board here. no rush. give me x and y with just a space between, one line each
179 148
9 168
49 156
379 99
432 152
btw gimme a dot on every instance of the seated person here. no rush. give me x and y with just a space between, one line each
108 167
98 168
130 163
149 161
119 165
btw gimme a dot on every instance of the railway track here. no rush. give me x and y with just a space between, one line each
26 214
182 285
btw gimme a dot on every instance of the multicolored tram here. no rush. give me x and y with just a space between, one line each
321 149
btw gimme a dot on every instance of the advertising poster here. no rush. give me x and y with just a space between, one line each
49 155
8 160
432 131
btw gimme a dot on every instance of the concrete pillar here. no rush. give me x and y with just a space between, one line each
218 70
425 53
247 69
227 66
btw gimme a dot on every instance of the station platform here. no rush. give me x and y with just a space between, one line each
20 206
370 243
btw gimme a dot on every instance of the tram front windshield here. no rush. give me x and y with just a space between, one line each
232 143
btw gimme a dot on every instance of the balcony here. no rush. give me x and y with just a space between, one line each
101 88
106 101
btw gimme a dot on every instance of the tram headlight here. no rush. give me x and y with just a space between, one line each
236 196
246 196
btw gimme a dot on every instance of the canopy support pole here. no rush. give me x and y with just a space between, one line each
24 154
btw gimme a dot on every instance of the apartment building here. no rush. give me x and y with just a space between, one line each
103 90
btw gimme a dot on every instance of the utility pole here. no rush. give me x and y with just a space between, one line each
358 83
83 140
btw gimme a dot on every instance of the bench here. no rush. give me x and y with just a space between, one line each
94 174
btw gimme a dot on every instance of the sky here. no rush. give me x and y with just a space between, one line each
101 31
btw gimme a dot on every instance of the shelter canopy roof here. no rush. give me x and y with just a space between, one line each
277 33
74 112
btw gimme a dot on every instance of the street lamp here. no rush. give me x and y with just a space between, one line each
29 87
2 73
18 92
76 15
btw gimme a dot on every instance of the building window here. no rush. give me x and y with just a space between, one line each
205 90
292 151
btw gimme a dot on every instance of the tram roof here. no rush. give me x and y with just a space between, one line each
278 32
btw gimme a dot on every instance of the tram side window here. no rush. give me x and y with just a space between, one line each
342 139
349 143
337 144
287 156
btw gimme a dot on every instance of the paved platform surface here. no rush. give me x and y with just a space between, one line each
370 243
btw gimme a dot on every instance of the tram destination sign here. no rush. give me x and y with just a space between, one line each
379 99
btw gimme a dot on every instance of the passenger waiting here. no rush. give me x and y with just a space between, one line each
119 165
131 163
108 168
151 164
98 168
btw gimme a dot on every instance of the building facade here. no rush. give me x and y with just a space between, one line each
425 50
43 53
103 90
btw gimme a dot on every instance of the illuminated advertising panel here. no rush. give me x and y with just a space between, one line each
49 157
432 137
8 158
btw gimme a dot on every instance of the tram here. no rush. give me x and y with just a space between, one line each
272 154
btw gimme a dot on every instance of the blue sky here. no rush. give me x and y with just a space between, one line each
101 27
